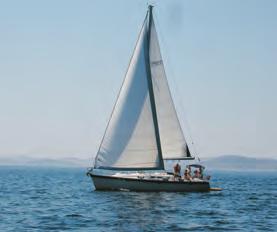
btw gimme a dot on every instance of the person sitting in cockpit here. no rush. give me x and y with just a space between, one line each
187 174
196 174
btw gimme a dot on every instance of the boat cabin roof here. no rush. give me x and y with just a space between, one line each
196 166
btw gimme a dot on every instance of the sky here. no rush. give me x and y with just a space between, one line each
62 64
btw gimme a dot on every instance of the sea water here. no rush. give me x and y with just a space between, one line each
63 199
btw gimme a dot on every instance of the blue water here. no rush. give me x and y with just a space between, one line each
56 199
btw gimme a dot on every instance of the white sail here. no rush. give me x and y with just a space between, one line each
144 127
173 143
130 141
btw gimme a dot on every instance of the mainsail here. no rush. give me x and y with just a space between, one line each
143 128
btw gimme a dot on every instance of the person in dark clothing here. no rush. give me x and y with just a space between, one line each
177 170
187 174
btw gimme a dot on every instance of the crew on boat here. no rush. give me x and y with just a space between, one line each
177 170
197 174
201 175
187 175
189 170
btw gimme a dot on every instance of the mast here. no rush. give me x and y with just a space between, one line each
150 86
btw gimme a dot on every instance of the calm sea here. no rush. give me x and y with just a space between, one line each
62 199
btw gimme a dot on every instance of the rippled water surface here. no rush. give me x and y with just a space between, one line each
33 199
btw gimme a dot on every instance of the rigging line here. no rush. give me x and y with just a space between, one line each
95 160
182 109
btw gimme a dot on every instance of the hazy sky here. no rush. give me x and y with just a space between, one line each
62 64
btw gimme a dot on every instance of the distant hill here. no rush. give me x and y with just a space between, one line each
236 162
45 162
225 162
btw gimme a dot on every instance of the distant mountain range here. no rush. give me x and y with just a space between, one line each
237 162
45 162
224 162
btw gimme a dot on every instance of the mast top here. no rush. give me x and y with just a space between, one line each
150 7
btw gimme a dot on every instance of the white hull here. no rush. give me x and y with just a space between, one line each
136 184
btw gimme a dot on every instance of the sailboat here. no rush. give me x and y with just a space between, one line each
144 130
